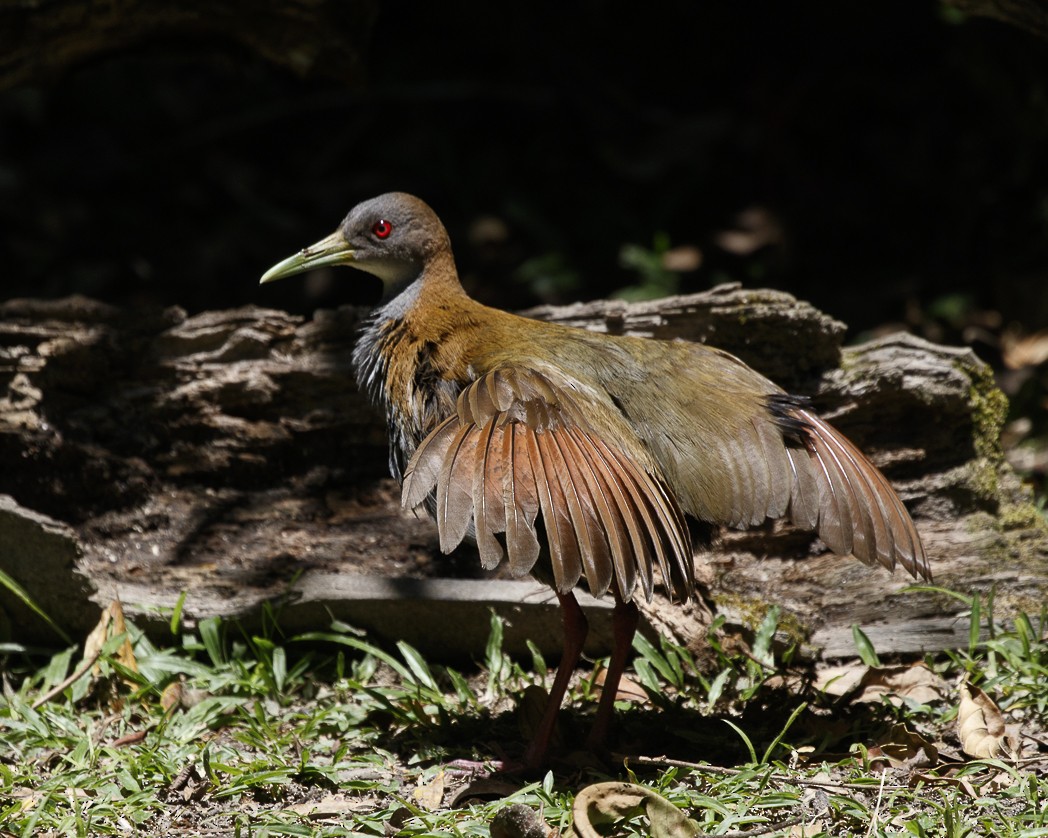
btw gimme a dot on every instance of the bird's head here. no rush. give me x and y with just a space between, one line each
392 236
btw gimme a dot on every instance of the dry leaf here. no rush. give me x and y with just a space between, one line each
431 795
905 749
841 680
997 783
171 697
130 738
915 682
608 802
980 726
330 807
125 655
629 690
962 783
111 624
806 830
96 639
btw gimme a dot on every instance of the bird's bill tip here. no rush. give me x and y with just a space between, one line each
332 250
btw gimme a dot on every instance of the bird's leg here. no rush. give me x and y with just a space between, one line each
624 626
575 629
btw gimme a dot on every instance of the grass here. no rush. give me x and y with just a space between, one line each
219 732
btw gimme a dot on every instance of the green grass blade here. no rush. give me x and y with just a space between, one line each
418 666
778 739
176 615
745 739
864 645
20 592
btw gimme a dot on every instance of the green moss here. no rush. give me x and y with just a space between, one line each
989 410
751 613
982 478
792 627
1022 516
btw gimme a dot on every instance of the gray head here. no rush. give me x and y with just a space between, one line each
392 236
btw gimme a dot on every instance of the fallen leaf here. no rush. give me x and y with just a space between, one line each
998 783
980 726
629 690
431 795
130 738
905 749
171 697
126 654
110 624
866 684
842 679
962 783
915 682
604 803
330 807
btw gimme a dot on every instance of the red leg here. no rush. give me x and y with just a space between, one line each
624 625
575 630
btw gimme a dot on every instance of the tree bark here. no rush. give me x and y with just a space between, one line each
230 456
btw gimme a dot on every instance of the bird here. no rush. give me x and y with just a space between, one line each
579 457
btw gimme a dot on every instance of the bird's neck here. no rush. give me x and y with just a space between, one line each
410 357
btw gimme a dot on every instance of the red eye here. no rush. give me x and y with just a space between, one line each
381 229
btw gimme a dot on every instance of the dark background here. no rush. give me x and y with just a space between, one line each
888 162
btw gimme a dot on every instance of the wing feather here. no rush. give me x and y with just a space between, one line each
608 514
455 489
593 546
489 511
519 458
803 506
890 533
735 449
426 463
520 499
563 542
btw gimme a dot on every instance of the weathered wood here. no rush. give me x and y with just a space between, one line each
230 455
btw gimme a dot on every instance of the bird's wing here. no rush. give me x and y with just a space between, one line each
838 492
737 450
518 464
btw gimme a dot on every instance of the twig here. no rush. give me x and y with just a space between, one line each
72 679
877 806
762 829
734 772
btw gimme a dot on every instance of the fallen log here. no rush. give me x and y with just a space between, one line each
229 456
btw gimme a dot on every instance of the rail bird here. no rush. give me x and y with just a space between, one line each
573 455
